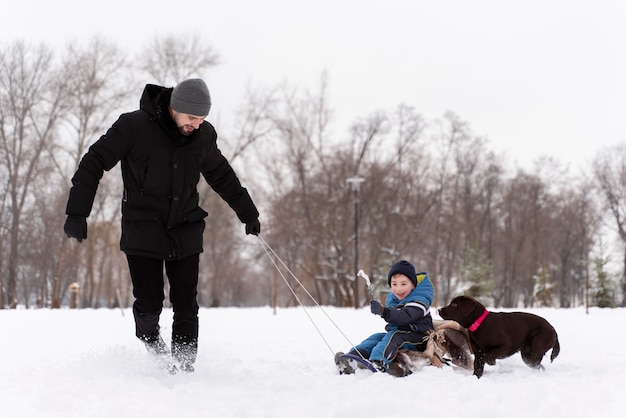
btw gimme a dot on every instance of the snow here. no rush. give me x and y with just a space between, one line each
256 363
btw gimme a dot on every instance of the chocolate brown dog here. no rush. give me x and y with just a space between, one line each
497 335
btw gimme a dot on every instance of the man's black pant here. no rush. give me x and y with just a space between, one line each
147 277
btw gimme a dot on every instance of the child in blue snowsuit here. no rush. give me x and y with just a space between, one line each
407 312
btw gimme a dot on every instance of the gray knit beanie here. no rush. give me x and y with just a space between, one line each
405 268
191 97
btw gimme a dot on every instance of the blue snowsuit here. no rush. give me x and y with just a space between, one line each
408 321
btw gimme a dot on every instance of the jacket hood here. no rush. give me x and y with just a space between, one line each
155 100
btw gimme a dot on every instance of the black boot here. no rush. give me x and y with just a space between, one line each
185 352
155 345
157 348
343 364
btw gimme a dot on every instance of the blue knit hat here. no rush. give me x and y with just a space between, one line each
191 97
403 267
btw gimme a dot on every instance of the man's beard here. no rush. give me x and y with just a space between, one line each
181 129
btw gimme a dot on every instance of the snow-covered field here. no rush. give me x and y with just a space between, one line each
254 363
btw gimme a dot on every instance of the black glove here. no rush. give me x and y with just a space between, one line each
253 228
376 307
76 227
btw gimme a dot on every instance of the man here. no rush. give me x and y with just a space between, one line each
164 147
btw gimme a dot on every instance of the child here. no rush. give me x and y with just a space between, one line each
408 320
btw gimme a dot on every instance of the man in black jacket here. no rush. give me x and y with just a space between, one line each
164 147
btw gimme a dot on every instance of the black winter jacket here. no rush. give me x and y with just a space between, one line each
161 216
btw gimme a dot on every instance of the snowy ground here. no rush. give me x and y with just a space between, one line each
254 363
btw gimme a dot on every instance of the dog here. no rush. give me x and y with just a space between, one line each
497 335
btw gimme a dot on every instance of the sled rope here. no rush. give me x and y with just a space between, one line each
271 254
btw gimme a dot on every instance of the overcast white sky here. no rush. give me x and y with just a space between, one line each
536 77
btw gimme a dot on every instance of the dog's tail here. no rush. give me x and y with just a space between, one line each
556 349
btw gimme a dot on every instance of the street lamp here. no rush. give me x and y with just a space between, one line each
355 182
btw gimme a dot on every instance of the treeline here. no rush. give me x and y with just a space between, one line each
432 192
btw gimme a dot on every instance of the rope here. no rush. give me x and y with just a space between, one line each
270 252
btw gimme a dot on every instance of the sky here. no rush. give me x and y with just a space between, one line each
536 78
254 363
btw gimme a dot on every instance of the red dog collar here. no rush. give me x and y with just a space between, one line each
479 321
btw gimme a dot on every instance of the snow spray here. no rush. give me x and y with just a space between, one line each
361 273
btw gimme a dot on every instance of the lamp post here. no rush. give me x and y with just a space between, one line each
355 182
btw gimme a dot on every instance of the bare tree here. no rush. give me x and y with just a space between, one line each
574 223
253 123
609 168
521 198
456 154
95 74
32 98
398 195
4 213
172 58
309 198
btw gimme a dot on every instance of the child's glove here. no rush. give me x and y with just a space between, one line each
376 307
